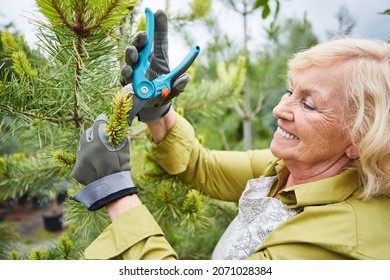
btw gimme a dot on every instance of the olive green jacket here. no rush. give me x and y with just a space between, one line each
334 222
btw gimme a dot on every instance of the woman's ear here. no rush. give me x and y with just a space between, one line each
352 152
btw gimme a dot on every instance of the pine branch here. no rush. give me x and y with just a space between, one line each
34 175
76 81
9 235
194 211
87 224
3 166
211 98
14 255
207 102
64 159
82 26
38 254
30 115
9 43
169 200
65 245
117 123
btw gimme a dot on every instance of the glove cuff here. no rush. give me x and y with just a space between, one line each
153 114
105 190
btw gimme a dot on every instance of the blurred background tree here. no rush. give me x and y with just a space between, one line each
49 98
50 95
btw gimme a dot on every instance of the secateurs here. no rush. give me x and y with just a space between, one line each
144 89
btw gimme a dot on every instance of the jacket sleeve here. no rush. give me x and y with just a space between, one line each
135 235
219 174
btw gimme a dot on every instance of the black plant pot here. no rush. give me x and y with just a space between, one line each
38 203
3 214
53 223
61 197
23 199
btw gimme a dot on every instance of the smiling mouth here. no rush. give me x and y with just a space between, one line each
286 134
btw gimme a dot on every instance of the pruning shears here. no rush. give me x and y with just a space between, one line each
144 89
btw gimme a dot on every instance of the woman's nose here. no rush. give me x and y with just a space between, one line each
283 111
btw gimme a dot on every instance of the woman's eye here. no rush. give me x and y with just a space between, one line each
308 106
288 92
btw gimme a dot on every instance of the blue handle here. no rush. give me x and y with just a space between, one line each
165 80
145 89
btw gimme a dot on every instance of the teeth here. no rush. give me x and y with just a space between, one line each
285 134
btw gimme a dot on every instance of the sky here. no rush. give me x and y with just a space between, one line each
321 13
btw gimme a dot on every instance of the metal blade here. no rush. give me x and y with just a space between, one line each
138 104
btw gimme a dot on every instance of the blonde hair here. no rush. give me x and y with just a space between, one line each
366 65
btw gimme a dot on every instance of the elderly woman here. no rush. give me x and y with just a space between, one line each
320 192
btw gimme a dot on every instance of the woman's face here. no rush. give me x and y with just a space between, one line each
310 120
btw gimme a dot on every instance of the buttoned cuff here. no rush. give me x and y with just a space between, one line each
128 229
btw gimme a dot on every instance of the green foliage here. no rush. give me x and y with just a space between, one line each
3 166
196 10
172 203
117 123
208 102
14 255
12 42
264 5
38 254
194 211
213 96
84 223
193 203
69 246
141 24
250 6
9 42
199 244
199 9
64 159
65 245
9 235
83 19
386 12
22 66
48 101
35 176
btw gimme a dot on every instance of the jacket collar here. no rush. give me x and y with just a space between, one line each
329 190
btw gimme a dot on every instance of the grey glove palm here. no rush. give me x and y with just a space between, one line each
103 169
159 64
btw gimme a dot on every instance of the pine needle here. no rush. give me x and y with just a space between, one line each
117 123
64 159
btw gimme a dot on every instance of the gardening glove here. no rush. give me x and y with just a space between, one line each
156 108
102 168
